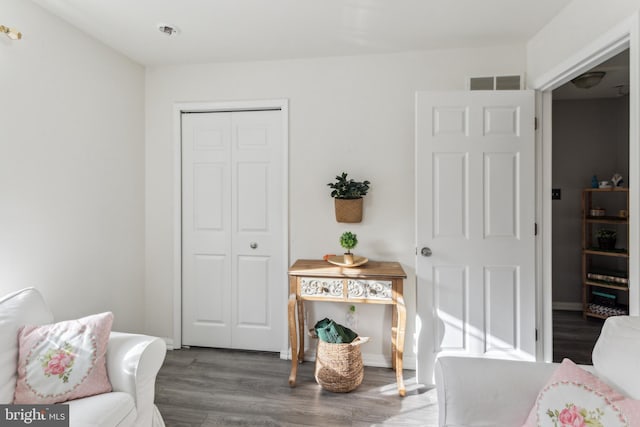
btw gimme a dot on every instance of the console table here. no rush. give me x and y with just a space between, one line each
375 282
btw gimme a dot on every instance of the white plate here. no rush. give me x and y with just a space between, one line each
339 260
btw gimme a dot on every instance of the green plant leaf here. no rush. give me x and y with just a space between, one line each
345 188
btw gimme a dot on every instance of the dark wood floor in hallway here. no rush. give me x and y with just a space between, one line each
574 336
216 387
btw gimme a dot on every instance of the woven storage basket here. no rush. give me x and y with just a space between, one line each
348 210
339 366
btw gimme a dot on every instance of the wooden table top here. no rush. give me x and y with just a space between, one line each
320 268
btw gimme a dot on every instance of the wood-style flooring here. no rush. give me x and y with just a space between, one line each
574 337
218 387
200 387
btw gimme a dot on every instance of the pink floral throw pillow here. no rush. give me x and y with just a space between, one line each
574 397
63 361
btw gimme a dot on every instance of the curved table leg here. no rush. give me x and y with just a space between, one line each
293 340
400 330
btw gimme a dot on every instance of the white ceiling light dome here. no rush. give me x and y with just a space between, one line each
589 79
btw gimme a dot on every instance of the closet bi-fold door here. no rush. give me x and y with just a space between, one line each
232 234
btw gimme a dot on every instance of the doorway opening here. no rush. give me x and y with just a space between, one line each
590 136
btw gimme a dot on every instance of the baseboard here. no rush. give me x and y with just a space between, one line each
567 306
168 342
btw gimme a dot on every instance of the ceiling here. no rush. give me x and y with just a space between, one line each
614 84
247 30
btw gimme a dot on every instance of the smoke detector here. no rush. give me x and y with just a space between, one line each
168 29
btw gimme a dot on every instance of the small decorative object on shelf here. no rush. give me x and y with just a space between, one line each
348 240
605 268
348 198
607 238
617 180
594 181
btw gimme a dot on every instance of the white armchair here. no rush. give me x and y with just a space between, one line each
474 392
133 362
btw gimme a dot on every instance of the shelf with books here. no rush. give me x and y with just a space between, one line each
605 283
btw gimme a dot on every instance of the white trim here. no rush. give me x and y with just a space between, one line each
622 36
539 251
610 44
168 342
546 235
178 109
634 166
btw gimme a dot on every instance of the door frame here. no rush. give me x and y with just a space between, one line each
624 35
212 107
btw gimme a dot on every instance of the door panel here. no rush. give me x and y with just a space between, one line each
208 197
501 194
253 291
258 296
253 193
206 230
450 195
450 299
209 281
475 211
501 302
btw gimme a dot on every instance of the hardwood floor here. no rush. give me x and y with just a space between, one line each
218 387
202 387
574 337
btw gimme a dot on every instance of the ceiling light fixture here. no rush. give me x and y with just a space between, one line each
168 29
12 33
588 79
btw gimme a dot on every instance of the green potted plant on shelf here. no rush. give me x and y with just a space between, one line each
348 194
606 238
348 240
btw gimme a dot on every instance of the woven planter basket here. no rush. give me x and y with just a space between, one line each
348 210
339 367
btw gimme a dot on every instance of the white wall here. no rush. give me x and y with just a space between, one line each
71 169
590 137
575 27
353 114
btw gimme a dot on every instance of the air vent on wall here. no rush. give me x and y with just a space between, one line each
495 83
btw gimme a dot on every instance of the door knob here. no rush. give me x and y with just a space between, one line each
253 245
425 251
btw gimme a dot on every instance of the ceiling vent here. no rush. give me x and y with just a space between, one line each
168 29
495 83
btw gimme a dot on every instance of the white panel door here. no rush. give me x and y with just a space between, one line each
233 264
475 220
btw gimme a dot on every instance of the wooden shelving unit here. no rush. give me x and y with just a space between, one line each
613 288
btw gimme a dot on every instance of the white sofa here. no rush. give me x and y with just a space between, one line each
487 392
133 362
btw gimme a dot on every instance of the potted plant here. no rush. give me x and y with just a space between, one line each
606 238
348 194
348 240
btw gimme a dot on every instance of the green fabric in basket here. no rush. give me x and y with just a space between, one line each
332 332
